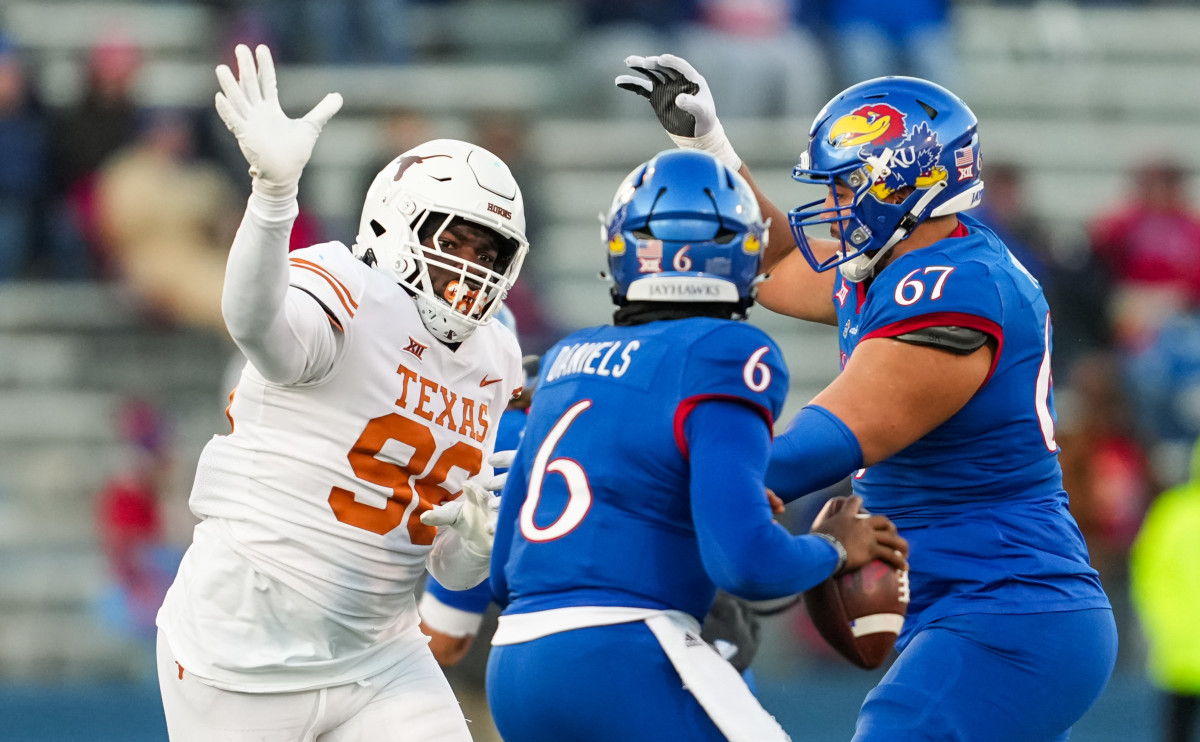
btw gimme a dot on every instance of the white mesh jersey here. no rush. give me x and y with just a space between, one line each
302 570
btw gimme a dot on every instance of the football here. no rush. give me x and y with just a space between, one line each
860 612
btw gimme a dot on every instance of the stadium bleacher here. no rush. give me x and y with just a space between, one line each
1074 96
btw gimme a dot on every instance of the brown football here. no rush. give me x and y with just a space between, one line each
860 612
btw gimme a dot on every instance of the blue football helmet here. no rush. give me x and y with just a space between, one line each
684 228
877 138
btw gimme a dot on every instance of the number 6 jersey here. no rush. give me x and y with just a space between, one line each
310 546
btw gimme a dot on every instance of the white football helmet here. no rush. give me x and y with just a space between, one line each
420 193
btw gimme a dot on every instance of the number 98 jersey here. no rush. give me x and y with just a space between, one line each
602 472
310 546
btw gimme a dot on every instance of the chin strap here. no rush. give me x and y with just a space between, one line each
861 267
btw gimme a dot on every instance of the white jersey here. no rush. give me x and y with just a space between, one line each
302 571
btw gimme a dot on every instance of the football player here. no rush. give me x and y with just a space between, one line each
943 411
361 431
637 489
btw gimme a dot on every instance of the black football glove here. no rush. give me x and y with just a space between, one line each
682 102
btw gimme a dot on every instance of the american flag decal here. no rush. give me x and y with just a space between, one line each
649 248
964 162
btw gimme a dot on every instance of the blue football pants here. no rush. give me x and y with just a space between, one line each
993 678
599 684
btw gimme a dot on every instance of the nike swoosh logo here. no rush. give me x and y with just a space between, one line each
488 382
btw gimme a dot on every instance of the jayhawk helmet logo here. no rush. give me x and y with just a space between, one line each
876 124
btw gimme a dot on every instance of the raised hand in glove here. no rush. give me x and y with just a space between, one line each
683 103
473 515
276 146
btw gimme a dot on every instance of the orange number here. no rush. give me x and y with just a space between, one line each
368 467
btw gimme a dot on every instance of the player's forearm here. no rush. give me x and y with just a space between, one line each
779 241
816 451
744 552
255 292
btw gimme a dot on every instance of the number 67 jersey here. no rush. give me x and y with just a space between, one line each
980 497
304 564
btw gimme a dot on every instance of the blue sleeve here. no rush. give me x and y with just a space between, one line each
510 431
928 288
744 550
475 600
816 451
736 360
511 501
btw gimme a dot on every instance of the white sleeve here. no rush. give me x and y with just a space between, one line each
447 619
284 333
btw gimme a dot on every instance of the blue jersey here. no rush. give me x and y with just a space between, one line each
980 497
602 473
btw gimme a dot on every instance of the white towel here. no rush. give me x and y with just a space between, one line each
714 682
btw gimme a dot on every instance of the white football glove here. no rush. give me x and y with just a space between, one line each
473 514
683 103
276 146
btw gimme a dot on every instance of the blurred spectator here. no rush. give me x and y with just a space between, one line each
363 32
88 133
1076 286
1005 210
872 39
1105 465
1151 247
167 220
130 525
1163 377
757 57
610 31
323 31
1164 569
24 166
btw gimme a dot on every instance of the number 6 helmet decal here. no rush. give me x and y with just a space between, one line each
684 228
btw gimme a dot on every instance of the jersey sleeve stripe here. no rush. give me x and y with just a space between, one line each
339 289
327 274
942 319
333 320
687 405
229 409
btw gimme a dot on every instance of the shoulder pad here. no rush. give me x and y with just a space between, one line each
958 340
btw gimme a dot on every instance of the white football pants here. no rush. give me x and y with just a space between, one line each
411 701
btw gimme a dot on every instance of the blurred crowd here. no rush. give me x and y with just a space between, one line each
108 189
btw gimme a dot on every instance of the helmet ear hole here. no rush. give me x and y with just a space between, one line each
725 235
377 228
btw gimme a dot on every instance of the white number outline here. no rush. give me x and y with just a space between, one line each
918 287
1041 402
755 364
579 490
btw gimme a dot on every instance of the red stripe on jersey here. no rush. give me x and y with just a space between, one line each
945 319
687 405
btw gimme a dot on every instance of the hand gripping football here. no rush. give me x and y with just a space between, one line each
860 612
